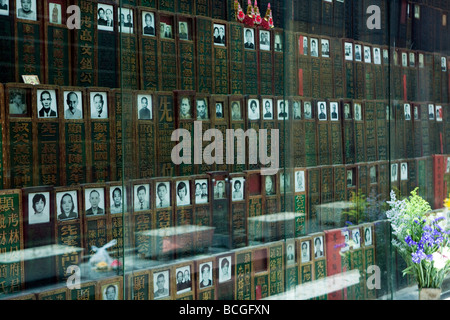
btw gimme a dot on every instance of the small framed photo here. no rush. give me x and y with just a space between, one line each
105 17
285 182
126 20
368 236
283 109
439 113
300 181
412 59
237 185
416 112
219 189
307 110
447 168
224 269
54 13
334 111
236 113
403 171
325 48
407 111
346 234
183 193
67 205
94 199
166 30
39 207
110 291
142 197
373 174
205 275
350 180
31 79
305 46
376 56
358 114
73 105
219 110
318 247
4 7
404 59
305 251
421 60
264 40
253 109
183 30
18 102
444 64
26 9
144 103
358 52
347 111
367 55
278 45
47 103
356 237
394 172
148 23
296 110
99 105
322 110
249 38
348 51
290 252
430 111
202 109
219 34
117 201
201 191
314 47
185 108
162 196
183 279
386 57
161 281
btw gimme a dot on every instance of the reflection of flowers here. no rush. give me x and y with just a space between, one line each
420 239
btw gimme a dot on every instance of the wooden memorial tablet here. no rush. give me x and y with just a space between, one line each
167 57
220 194
313 199
278 64
236 40
202 215
205 153
260 264
164 113
204 36
87 291
370 130
360 133
137 285
297 133
299 184
250 58
4 169
220 57
238 222
183 194
316 79
127 43
368 243
59 294
220 119
348 132
238 120
184 113
291 262
304 254
270 112
142 217
68 229
356 292
326 68
304 66
266 49
255 207
369 66
382 118
335 241
244 275
148 42
72 108
254 117
325 212
186 49
309 111
323 132
349 69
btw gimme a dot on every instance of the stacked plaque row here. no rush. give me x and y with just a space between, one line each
290 267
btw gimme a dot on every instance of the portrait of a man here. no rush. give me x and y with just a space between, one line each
219 189
307 110
26 9
99 105
268 112
314 48
162 195
161 282
183 30
236 110
202 109
148 20
185 108
4 7
17 102
334 111
94 200
141 197
249 38
47 107
145 107
322 110
264 40
282 110
74 105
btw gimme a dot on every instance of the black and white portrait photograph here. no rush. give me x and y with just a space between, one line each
54 13
305 251
264 40
300 181
205 275
444 64
47 104
141 197
307 110
249 38
334 111
404 59
67 205
144 103
18 102
202 109
283 109
407 111
183 30
161 282
290 252
367 236
236 113
347 111
386 57
346 234
278 45
166 30
126 20
367 55
348 51
269 185
394 172
201 191
219 189
38 207
94 201
237 185
356 237
110 292
305 46
162 196
183 195
403 171
4 7
117 200
376 56
224 269
148 23
350 182
99 105
325 48
105 17
318 247
185 108
416 112
219 110
358 115
322 110
253 109
296 110
285 182
219 34
421 60
183 279
430 111
358 52
314 47
73 105
373 174
26 9
412 59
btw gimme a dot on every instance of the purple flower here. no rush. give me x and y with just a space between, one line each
410 241
418 256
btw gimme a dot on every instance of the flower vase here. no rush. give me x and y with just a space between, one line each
430 293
